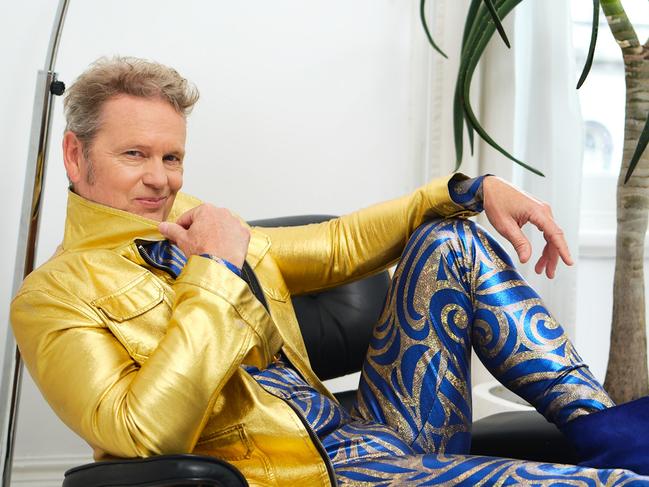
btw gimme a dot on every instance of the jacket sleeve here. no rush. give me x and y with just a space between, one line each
319 256
161 406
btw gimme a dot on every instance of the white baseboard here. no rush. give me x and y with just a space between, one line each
44 471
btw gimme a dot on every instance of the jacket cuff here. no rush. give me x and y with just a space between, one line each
219 280
467 192
440 200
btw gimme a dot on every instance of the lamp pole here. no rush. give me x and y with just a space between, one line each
47 86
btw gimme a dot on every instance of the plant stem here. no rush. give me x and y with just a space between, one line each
627 376
621 26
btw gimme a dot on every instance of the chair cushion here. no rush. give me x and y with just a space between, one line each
525 435
337 324
346 399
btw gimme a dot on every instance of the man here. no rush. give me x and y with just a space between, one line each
147 331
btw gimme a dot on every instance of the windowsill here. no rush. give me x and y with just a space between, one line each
601 245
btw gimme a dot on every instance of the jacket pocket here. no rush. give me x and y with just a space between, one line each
233 445
137 314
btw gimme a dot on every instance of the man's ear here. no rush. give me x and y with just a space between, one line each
72 156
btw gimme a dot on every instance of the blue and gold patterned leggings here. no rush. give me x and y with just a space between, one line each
454 288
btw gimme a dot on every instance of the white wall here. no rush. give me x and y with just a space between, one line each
315 106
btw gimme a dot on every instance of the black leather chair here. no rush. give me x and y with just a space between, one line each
336 325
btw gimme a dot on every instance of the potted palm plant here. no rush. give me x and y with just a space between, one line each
627 375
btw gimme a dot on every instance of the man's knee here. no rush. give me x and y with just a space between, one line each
447 230
461 236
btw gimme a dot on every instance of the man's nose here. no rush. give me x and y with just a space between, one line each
155 174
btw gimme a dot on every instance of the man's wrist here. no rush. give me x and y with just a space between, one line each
233 268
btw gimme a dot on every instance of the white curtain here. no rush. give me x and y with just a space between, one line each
526 99
548 134
447 24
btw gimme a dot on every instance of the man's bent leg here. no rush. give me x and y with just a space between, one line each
454 285
522 345
416 376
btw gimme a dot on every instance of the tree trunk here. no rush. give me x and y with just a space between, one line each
627 376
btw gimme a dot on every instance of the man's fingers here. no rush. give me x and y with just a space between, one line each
553 261
548 261
561 246
508 208
540 264
172 231
553 235
186 219
519 241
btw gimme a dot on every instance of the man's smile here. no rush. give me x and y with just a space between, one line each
152 202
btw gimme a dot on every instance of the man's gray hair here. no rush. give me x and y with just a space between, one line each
109 77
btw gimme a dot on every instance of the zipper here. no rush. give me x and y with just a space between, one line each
314 438
283 358
147 258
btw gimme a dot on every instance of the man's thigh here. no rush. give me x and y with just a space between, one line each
416 375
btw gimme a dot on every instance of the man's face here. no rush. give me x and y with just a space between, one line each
135 162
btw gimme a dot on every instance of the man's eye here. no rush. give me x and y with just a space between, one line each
133 153
172 159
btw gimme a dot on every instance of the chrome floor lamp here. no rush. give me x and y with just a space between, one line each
47 87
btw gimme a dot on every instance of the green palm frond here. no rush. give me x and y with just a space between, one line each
458 109
492 11
497 22
481 28
591 47
639 150
424 22
482 21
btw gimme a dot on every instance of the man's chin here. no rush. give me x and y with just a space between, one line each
153 211
158 215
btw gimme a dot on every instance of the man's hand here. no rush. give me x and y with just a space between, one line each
209 230
508 209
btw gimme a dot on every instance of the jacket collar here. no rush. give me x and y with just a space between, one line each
91 225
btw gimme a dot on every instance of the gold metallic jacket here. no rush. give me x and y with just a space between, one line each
140 364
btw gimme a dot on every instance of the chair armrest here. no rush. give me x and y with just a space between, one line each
159 471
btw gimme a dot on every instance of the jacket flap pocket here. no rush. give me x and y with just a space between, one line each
231 443
137 297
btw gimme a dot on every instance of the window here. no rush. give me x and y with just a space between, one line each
602 100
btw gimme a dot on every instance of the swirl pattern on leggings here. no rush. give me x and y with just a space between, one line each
476 471
456 287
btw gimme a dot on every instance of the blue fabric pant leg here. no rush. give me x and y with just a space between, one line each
477 471
455 287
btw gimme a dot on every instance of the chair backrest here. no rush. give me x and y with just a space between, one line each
337 323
